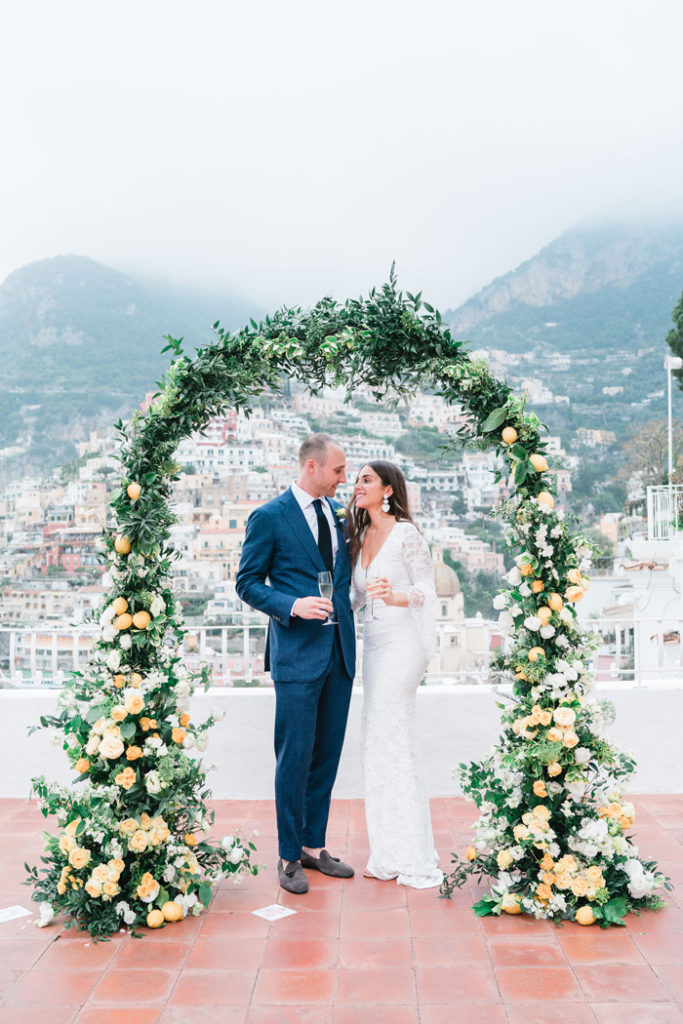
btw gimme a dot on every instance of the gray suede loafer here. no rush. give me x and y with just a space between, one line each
292 877
328 865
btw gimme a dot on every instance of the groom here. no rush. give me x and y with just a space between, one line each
288 542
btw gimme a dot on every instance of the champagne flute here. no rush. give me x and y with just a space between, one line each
326 588
371 580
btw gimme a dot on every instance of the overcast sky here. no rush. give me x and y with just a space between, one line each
288 150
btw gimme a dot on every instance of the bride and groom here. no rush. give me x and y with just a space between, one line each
298 547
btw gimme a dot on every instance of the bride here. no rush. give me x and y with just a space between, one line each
394 578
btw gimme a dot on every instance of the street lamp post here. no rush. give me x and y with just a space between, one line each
671 363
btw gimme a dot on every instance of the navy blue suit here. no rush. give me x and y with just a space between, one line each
312 665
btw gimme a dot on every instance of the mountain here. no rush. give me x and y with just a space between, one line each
603 296
80 344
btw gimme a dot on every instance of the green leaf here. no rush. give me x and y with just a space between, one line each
94 714
127 730
205 893
494 419
486 906
521 472
615 911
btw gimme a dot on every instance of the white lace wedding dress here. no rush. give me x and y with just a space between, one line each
397 645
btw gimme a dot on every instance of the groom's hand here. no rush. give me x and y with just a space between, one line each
312 608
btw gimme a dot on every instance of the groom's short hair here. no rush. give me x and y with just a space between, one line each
315 447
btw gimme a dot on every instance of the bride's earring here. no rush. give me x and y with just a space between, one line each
385 503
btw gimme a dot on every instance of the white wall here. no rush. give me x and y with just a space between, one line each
455 724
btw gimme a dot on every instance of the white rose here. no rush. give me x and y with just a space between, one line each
189 741
582 755
525 589
47 915
152 782
92 745
505 621
114 660
157 605
500 601
202 741
514 577
169 873
547 631
111 747
566 615
532 622
562 641
227 842
108 634
236 855
125 642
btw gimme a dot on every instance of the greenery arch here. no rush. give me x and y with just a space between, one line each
550 837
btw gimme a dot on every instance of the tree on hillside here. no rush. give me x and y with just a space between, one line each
646 455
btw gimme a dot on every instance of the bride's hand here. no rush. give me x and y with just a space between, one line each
380 590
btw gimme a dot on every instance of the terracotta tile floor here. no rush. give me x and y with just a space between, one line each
357 952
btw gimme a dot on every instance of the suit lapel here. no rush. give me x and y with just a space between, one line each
300 529
342 549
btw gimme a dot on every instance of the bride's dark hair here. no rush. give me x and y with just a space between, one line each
391 476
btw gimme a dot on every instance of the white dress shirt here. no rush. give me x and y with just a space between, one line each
305 501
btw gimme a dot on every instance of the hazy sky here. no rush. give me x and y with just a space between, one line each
293 149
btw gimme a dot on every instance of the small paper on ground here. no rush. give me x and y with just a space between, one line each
274 912
9 913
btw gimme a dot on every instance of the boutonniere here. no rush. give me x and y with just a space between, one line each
342 515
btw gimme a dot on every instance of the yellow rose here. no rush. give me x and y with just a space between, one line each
134 703
554 735
111 747
628 810
190 839
554 768
579 886
185 719
143 891
520 832
562 879
527 817
133 753
67 844
570 739
541 812
574 576
110 888
93 889
564 717
594 876
545 718
61 888
100 873
145 724
119 681
118 713
613 810
543 892
128 826
138 842
116 864
504 859
539 788
548 877
78 858
82 765
126 778
470 853
72 826
547 862
145 820
178 735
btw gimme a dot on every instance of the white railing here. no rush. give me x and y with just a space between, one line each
639 653
664 511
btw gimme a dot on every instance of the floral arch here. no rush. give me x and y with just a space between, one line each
132 846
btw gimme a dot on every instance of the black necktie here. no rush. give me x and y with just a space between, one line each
324 535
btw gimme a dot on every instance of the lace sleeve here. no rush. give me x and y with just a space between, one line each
422 592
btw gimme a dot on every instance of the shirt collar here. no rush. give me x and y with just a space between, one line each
303 497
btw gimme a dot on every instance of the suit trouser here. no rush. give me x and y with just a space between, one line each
310 721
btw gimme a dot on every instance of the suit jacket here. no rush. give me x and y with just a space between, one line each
279 548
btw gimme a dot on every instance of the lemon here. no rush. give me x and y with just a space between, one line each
538 462
124 621
155 919
119 606
544 614
535 653
141 620
133 491
509 435
584 915
511 903
122 544
546 498
555 602
172 911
